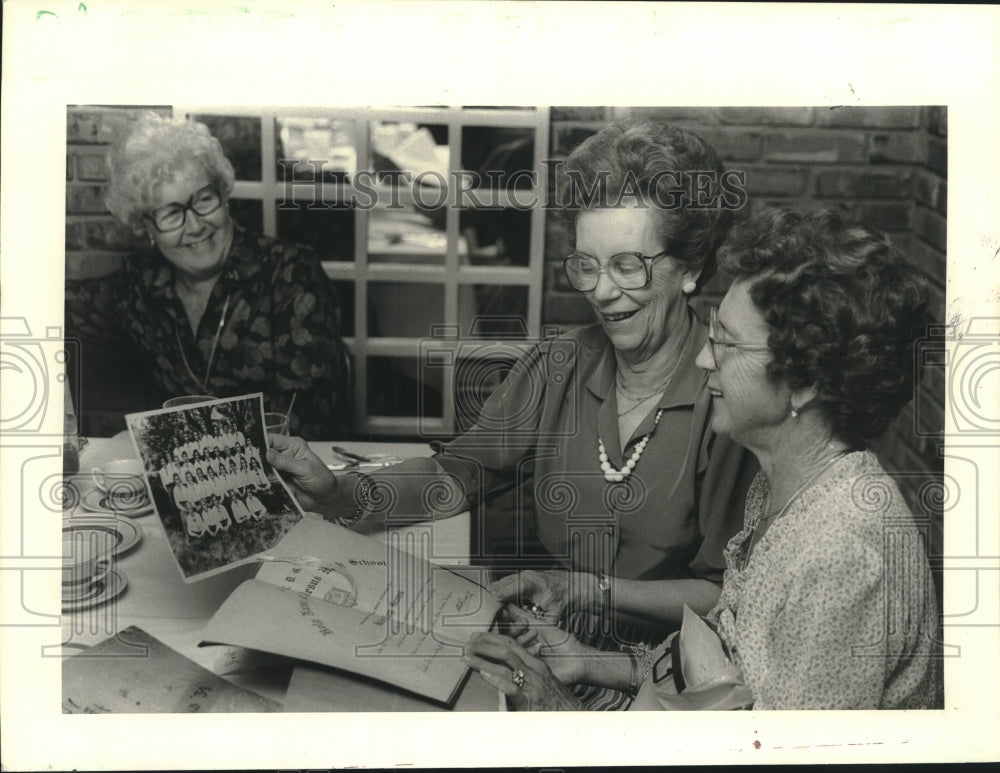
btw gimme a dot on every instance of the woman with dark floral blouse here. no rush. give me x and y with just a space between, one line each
211 309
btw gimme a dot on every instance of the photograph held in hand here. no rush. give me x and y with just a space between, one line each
218 499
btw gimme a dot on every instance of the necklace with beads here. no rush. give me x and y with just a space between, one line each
784 508
613 475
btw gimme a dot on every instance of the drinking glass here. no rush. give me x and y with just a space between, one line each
276 423
176 402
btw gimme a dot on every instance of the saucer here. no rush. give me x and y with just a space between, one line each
96 501
126 534
97 593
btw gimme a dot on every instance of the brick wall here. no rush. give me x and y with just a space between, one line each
95 241
113 377
885 167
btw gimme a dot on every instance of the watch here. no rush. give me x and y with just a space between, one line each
364 486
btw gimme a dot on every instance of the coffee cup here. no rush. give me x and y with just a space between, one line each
86 562
123 480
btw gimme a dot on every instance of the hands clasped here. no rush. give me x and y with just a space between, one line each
524 664
555 593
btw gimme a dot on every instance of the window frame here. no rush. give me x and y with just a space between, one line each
452 275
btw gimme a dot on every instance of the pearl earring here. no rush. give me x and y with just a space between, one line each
689 287
795 412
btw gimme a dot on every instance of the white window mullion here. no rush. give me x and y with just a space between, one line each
268 174
536 251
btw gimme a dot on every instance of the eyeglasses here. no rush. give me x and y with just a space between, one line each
628 270
719 345
172 216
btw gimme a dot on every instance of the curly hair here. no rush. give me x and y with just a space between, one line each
150 153
844 308
672 170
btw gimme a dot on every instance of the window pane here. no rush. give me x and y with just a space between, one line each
240 140
501 311
398 386
345 293
407 236
329 143
418 150
404 309
329 231
249 213
497 155
497 237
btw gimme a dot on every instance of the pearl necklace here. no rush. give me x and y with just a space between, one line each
612 475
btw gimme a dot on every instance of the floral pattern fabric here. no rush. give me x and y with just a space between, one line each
280 334
834 606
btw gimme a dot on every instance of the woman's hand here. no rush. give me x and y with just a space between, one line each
527 682
558 593
564 654
313 485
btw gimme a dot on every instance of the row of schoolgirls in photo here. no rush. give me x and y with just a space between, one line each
213 479
217 474
225 441
212 503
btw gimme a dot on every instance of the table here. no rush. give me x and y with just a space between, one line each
157 600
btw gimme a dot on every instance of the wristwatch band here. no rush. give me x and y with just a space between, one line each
363 488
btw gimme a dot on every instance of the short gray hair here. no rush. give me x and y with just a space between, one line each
150 152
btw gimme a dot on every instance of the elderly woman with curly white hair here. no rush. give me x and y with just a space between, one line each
209 307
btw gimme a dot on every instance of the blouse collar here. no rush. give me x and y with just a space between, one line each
684 387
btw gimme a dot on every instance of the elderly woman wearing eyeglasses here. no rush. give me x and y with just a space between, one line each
210 308
828 600
609 424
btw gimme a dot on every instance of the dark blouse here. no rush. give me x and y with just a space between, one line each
670 519
280 335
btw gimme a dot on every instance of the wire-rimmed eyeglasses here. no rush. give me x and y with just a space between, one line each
718 345
628 270
170 217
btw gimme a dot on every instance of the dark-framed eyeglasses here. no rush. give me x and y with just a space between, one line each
718 344
628 270
170 217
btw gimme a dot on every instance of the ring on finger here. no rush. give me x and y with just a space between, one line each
533 608
517 677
